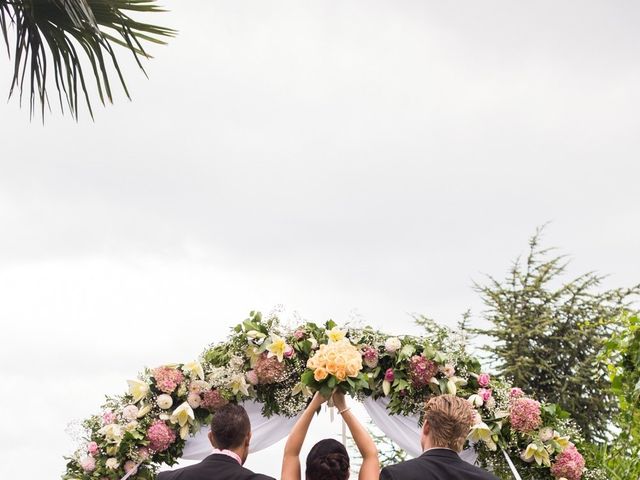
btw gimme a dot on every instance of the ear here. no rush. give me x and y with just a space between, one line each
426 428
247 440
211 440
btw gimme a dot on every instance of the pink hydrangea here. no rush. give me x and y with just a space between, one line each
108 418
160 436
485 393
569 464
88 464
92 448
524 414
269 370
421 370
516 392
484 379
370 357
213 400
389 375
167 378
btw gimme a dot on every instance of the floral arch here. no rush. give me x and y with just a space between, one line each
274 370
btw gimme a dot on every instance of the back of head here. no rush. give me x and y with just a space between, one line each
327 460
450 419
230 426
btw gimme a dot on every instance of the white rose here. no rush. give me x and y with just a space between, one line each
164 401
112 463
130 413
392 344
314 343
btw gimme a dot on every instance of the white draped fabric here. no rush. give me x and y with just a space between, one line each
404 431
264 433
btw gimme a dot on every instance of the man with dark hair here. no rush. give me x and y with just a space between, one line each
447 421
230 435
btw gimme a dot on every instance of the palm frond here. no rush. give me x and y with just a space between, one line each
69 35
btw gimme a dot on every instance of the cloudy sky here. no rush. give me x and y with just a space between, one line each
341 158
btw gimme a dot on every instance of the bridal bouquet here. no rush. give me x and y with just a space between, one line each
337 363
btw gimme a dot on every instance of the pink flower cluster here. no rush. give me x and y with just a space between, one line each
524 414
485 393
569 464
370 357
108 418
421 370
213 400
160 436
515 392
167 378
269 370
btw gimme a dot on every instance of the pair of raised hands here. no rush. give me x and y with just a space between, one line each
337 399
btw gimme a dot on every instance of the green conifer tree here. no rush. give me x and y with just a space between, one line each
545 335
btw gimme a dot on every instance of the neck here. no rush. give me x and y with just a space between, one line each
240 452
428 444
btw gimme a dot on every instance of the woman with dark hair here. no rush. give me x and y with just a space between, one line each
328 459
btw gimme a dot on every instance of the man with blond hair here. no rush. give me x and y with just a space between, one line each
447 421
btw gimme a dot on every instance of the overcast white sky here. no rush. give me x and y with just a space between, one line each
331 156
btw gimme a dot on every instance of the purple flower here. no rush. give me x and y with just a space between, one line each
370 357
389 376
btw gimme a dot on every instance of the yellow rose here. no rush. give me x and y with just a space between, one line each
341 374
320 374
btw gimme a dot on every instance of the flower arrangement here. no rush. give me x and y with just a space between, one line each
282 368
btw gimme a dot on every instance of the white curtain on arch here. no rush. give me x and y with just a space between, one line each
264 433
404 431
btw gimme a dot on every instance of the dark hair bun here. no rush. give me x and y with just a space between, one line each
328 460
334 466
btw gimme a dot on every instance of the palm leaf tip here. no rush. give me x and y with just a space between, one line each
72 36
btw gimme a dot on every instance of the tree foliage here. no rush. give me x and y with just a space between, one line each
545 334
65 38
620 457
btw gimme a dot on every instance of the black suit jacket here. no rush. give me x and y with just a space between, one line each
214 467
436 464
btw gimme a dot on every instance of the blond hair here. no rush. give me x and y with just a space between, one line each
450 419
